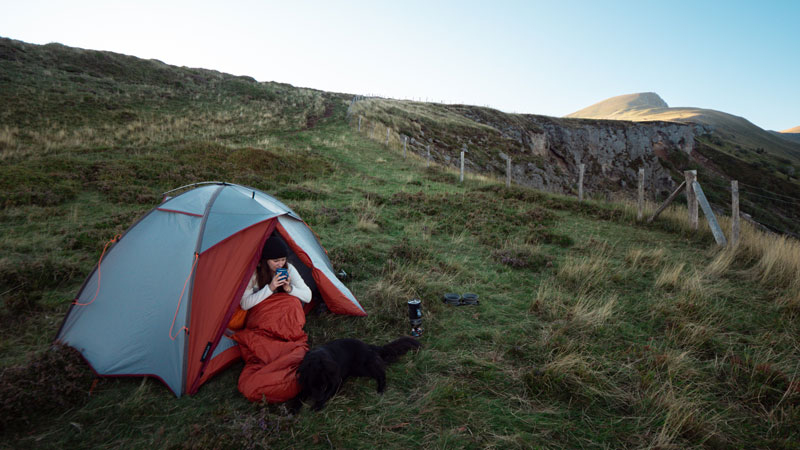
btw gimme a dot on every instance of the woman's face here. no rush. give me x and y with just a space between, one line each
276 264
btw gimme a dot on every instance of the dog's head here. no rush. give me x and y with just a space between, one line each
319 375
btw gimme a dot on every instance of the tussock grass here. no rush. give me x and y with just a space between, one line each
779 261
645 257
593 312
546 300
368 215
670 277
773 261
586 273
692 285
684 417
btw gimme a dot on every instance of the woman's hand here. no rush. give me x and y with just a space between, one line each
276 283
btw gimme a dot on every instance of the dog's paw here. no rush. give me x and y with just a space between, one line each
318 406
293 406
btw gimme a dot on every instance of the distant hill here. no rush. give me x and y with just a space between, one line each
621 107
793 136
649 106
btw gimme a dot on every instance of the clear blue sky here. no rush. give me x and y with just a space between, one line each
552 58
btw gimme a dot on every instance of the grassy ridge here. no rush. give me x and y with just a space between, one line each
592 331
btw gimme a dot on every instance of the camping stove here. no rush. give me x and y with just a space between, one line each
415 316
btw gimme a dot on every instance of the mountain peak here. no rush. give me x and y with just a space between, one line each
614 105
792 130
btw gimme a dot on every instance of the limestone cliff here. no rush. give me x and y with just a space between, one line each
546 151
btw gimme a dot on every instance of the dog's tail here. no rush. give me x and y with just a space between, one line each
397 348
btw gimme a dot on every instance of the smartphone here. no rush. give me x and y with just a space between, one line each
282 274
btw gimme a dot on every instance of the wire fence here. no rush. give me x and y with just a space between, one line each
390 138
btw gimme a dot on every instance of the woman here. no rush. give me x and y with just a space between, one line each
264 281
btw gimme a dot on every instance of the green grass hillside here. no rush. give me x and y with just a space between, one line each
593 330
792 134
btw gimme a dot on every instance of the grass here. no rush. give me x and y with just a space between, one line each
593 330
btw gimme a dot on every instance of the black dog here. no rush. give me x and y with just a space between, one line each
324 368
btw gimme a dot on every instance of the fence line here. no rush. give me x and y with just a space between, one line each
691 186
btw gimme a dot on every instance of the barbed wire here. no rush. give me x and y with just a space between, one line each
775 199
766 190
774 195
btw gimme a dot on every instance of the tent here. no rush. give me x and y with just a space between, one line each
159 300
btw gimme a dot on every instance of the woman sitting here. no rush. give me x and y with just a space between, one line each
268 279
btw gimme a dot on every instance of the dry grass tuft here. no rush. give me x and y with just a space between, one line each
548 301
647 258
592 312
576 376
586 273
693 285
771 260
779 263
684 417
367 216
697 336
670 276
388 295
8 137
790 302
723 262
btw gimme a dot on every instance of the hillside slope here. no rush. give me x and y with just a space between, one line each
792 134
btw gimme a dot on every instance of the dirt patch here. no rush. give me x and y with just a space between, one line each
311 122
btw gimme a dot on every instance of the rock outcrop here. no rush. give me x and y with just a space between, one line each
546 151
612 152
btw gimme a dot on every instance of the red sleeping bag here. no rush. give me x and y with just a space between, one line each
273 344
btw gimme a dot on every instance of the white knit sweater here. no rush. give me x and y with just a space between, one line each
253 296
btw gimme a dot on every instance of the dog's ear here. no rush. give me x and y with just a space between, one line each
330 367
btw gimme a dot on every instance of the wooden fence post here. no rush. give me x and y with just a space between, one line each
640 212
508 172
387 136
359 124
405 140
581 169
719 236
429 156
691 197
734 212
461 179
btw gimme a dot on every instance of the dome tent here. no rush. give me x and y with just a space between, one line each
159 300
